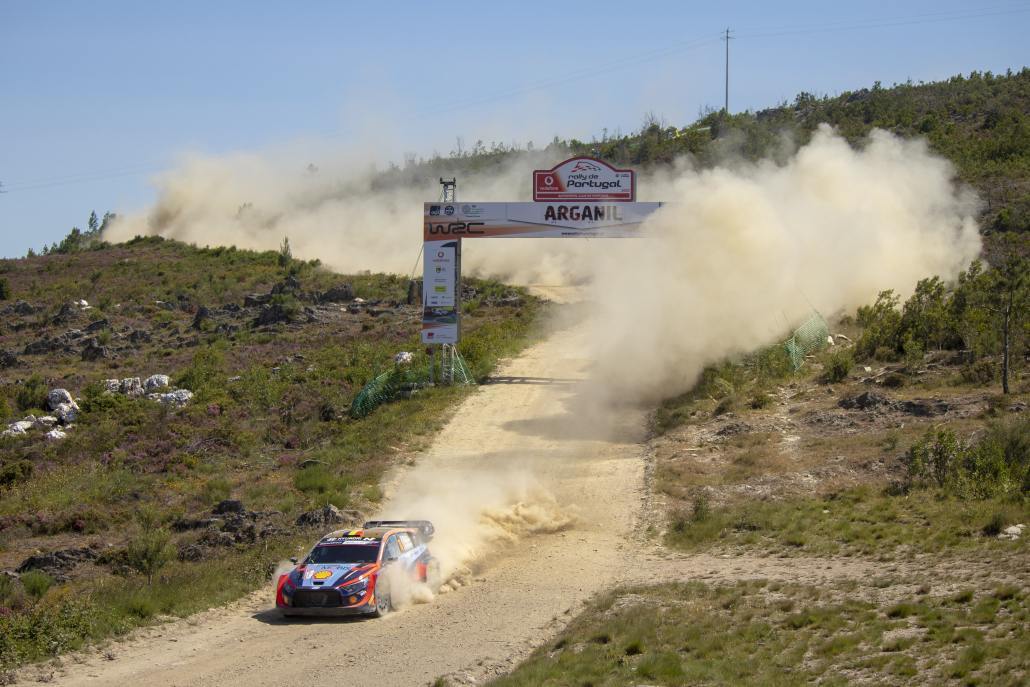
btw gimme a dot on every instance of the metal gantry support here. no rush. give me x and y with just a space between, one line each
450 189
453 369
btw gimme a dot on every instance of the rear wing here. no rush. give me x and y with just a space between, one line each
424 527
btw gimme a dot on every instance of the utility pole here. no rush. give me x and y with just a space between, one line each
727 37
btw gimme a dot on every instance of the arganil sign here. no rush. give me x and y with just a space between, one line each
584 178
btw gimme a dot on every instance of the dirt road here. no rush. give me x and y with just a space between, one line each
518 433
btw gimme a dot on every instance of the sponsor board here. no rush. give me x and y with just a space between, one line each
597 219
584 178
440 269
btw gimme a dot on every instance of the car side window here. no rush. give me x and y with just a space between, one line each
392 550
404 539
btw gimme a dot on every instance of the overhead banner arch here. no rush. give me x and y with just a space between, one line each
581 197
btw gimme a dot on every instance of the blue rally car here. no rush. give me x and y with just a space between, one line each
349 572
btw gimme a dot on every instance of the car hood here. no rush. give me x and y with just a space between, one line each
322 575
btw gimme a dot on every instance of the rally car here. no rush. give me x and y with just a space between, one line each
350 572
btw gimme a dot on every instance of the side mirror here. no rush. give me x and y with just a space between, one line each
294 560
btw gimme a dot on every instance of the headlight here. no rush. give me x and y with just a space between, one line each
358 587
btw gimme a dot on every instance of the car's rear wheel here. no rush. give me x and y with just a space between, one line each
384 603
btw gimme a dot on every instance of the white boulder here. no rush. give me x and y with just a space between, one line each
131 387
58 396
112 385
154 382
46 421
403 358
177 398
67 413
56 434
1012 532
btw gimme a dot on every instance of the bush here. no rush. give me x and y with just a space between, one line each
11 593
15 471
5 289
998 464
725 405
44 630
760 400
204 370
701 510
934 457
981 372
32 394
894 380
323 486
838 367
36 583
149 551
216 489
881 326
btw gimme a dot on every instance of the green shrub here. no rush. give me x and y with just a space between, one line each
881 326
323 486
701 509
15 471
5 289
44 630
838 367
724 406
204 371
994 525
216 489
10 592
31 395
150 550
894 380
36 583
760 400
981 372
998 464
933 458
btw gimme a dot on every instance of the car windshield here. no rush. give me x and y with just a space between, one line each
344 553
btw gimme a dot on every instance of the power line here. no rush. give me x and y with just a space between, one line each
608 67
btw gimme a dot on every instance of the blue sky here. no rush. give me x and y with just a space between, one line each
98 96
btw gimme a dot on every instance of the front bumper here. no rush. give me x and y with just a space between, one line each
290 604
336 612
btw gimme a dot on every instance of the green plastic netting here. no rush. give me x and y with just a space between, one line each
385 388
811 336
404 381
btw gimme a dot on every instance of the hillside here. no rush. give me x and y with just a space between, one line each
262 357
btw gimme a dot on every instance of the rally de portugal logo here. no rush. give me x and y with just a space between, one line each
584 178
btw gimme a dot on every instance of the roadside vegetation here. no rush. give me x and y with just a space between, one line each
775 633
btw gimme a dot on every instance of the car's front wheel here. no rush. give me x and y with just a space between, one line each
383 602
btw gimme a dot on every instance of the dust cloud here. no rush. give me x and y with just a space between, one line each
475 509
349 215
744 251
